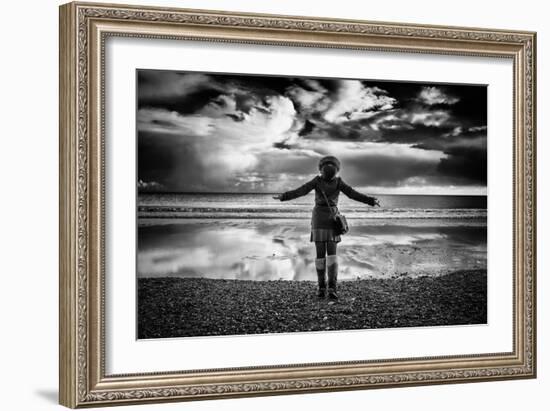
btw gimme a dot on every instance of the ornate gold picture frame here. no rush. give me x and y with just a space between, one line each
84 29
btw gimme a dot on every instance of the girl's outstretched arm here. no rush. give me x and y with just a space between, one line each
300 191
357 196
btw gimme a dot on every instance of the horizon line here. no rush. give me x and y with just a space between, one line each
256 192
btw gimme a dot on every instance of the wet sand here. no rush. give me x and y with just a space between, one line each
185 307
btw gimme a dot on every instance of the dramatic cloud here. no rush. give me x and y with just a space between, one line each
210 145
434 95
211 133
350 100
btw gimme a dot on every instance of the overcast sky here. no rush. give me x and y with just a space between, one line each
239 133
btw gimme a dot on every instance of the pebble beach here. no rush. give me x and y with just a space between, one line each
191 307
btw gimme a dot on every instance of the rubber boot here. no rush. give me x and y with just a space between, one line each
332 272
320 266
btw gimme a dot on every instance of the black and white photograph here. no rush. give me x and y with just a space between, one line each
278 204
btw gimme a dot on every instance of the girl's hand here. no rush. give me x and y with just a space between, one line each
277 197
376 202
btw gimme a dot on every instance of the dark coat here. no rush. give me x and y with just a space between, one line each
321 212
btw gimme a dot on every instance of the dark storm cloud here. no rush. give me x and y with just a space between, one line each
186 104
210 132
187 93
282 145
466 154
159 159
465 164
427 137
174 91
386 170
307 128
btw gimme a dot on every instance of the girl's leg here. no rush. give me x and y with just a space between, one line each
320 266
332 269
331 247
321 248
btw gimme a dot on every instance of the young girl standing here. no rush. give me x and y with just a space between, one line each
323 227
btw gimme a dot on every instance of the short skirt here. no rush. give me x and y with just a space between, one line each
323 227
324 234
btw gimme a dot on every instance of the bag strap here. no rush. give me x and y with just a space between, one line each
326 199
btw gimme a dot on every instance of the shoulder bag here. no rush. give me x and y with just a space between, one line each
340 220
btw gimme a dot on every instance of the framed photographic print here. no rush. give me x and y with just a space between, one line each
260 204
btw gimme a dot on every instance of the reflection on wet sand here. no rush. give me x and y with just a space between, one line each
271 250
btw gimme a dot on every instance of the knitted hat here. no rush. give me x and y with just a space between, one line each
331 160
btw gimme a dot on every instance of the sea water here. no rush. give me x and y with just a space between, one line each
255 237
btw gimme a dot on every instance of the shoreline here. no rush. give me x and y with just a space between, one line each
171 307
